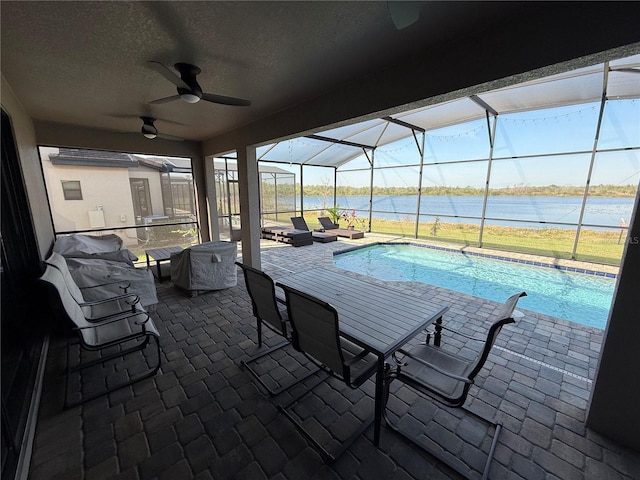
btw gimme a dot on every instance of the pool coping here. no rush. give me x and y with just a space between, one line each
600 270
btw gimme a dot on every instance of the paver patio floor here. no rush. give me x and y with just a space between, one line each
204 417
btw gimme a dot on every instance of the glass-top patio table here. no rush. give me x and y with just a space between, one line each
372 316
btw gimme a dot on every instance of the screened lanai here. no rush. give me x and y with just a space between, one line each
555 161
277 194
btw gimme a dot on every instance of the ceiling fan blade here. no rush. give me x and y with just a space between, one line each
168 74
627 70
238 102
165 100
170 137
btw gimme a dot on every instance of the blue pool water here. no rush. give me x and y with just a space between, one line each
580 298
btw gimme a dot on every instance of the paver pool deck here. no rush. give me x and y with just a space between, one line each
204 417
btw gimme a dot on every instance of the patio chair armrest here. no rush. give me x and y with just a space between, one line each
437 369
124 286
470 337
117 318
357 358
147 319
280 298
134 300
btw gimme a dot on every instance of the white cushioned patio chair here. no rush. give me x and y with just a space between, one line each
316 333
447 377
269 311
113 336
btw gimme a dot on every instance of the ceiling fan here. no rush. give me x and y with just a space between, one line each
188 88
150 131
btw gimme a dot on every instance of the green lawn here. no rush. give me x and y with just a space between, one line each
594 246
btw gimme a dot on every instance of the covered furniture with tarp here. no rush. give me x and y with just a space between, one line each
87 246
101 266
204 267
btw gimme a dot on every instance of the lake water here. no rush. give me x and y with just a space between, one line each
599 210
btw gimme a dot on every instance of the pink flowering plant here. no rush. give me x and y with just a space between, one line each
352 219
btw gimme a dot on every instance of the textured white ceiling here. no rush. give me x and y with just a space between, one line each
83 63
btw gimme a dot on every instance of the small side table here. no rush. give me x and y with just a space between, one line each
160 255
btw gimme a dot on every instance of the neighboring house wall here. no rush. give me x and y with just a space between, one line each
107 187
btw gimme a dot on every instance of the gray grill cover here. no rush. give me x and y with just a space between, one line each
208 266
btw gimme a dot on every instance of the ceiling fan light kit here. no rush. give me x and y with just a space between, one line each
189 97
148 128
188 73
188 87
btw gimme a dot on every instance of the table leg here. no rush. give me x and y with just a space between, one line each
379 401
159 271
437 336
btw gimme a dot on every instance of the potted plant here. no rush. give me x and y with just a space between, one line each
352 219
334 214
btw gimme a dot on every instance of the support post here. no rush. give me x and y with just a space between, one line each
249 188
371 162
301 193
585 196
211 210
335 185
421 150
492 139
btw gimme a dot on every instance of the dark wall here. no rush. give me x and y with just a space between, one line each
613 409
20 318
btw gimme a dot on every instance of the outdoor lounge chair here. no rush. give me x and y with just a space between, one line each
447 378
264 301
114 336
300 224
297 238
330 227
315 333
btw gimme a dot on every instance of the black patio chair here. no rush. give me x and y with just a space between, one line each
447 377
316 333
265 302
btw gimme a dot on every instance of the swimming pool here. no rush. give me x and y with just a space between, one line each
577 297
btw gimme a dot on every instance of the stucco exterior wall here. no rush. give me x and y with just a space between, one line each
102 187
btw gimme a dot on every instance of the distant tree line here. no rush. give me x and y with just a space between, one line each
545 191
